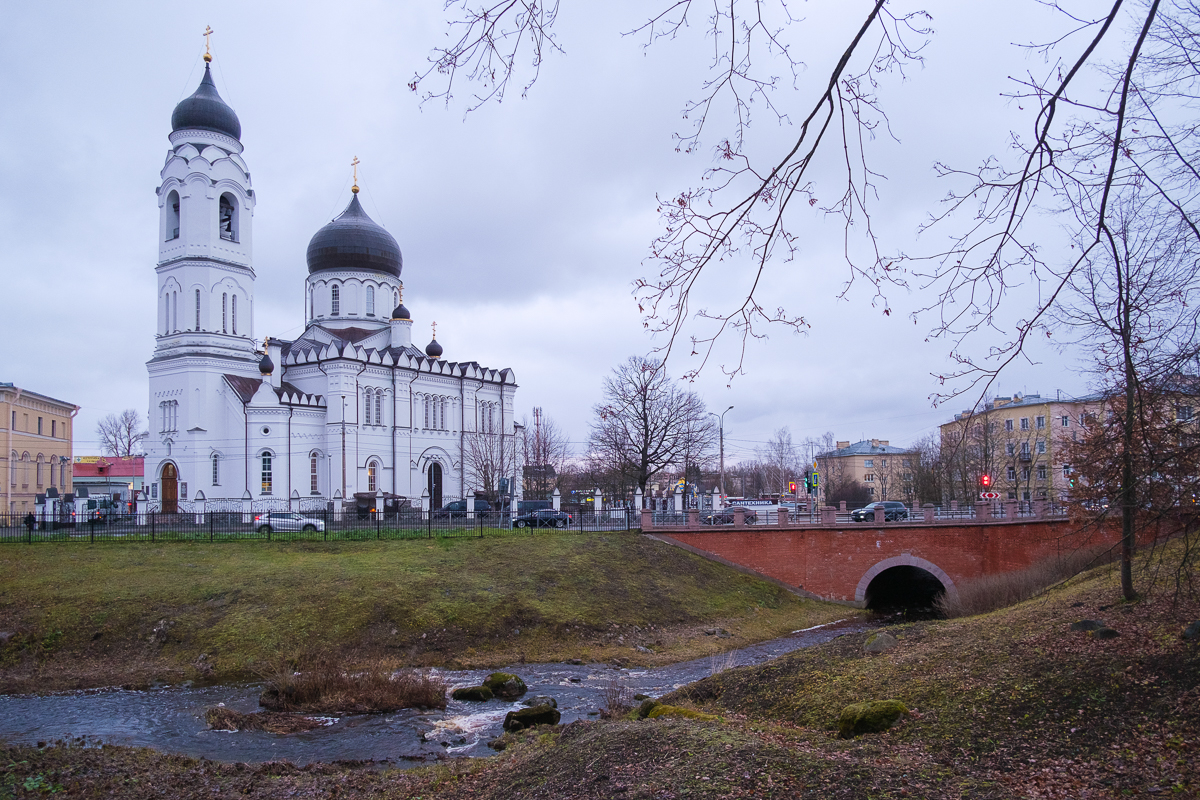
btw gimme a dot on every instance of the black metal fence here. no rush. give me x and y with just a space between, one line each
321 525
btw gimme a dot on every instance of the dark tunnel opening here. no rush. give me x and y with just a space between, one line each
908 591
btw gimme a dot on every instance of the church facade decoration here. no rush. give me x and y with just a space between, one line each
349 408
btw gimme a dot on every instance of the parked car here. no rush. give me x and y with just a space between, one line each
725 516
893 510
286 521
543 518
459 508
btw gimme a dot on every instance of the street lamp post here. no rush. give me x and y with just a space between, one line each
721 419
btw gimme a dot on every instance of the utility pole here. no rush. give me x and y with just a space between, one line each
721 418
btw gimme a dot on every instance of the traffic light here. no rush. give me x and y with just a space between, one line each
985 480
792 487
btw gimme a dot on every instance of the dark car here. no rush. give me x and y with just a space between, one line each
459 508
893 510
725 516
543 518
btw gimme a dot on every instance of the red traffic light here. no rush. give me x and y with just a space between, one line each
985 480
792 487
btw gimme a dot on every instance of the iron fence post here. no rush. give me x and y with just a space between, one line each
152 522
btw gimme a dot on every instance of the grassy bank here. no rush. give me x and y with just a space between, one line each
1011 704
80 615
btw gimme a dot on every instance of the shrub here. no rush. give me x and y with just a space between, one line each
326 687
1009 588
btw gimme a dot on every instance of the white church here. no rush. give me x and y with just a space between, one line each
351 407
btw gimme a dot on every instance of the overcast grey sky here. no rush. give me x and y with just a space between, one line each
523 225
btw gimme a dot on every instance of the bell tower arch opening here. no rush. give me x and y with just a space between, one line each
906 584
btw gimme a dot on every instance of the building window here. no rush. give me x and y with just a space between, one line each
906 462
1081 418
1066 420
1066 470
379 406
228 222
1012 473
367 406
1041 446
62 473
233 314
12 468
335 301
869 477
53 429
1024 449
1041 472
39 426
1024 423
314 466
40 463
172 216
1040 422
1010 448
1025 473
370 301
1008 426
216 466
266 473
197 309
371 476
224 313
868 462
1183 413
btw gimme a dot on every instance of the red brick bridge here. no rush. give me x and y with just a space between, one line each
868 564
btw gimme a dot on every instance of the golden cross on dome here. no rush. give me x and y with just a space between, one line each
354 164
207 33
435 330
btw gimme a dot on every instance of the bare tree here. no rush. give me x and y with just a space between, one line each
545 450
646 423
488 459
121 434
779 458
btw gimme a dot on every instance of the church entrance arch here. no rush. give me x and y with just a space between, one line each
170 489
434 484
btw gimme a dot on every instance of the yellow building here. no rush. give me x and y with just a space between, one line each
885 471
37 455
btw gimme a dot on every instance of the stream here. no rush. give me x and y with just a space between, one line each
170 718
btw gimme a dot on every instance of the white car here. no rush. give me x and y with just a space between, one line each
286 521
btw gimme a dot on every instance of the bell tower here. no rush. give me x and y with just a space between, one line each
205 298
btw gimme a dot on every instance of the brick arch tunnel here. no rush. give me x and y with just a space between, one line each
903 582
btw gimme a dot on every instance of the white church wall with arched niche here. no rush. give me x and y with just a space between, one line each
350 295
168 303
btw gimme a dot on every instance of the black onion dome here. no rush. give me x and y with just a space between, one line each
354 241
433 349
400 312
206 111
266 366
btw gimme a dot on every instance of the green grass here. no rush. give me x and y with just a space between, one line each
420 602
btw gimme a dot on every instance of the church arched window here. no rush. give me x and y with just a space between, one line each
41 461
224 312
167 313
266 474
314 472
229 218
426 412
233 315
174 311
197 309
172 209
335 301
372 475
12 468
379 406
53 467
370 301
216 469
367 394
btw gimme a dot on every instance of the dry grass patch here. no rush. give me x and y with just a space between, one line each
993 592
220 718
325 685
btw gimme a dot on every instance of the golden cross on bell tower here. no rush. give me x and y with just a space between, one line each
207 33
354 164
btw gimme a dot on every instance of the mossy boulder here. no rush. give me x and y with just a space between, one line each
880 642
873 716
661 710
648 705
505 685
479 694
544 714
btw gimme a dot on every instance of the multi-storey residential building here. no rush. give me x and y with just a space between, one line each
886 471
37 455
1020 442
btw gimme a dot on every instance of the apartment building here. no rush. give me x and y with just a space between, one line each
886 471
37 453
1019 442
